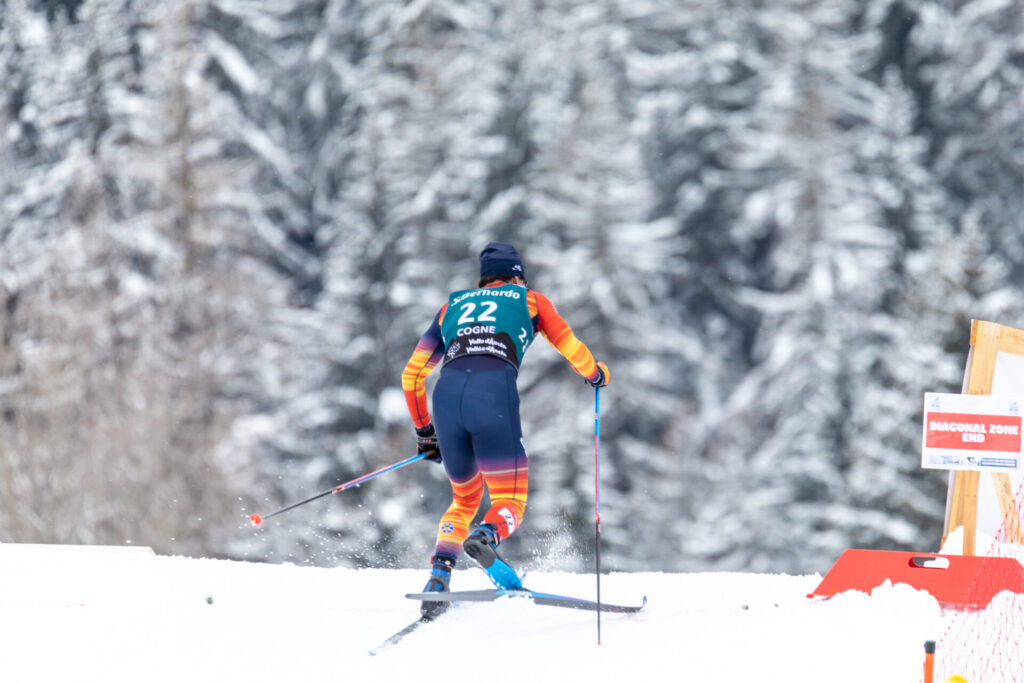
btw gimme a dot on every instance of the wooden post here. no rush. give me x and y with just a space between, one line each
965 508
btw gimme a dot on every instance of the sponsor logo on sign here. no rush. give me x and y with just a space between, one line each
972 432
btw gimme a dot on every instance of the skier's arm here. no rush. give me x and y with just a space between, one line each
560 335
424 358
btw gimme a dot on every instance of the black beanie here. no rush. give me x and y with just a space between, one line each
499 258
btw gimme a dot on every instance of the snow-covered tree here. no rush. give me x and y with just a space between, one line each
224 225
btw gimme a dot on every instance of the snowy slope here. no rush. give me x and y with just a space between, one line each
117 614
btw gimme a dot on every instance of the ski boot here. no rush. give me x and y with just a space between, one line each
482 548
440 575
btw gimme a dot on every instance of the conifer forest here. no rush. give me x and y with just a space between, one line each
224 225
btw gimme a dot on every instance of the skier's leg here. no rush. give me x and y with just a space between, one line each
467 486
454 525
493 421
501 456
459 461
507 487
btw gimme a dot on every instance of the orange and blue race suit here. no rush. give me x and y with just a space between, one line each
482 334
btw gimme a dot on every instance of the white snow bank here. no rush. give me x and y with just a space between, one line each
97 615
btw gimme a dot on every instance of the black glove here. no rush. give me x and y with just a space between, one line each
604 376
426 442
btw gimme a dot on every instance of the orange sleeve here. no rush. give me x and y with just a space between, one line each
560 335
424 358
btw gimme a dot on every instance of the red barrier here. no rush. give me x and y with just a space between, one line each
953 580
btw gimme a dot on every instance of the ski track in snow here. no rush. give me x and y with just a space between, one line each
112 614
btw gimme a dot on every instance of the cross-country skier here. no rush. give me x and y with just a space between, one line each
482 335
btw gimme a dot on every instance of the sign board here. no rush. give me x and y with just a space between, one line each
972 432
995 367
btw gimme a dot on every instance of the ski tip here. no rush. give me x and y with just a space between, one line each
255 519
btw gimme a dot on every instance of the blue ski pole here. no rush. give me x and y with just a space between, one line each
597 502
257 519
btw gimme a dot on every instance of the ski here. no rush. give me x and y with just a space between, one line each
580 603
399 635
489 595
539 598
485 595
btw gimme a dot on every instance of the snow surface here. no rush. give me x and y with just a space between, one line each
74 613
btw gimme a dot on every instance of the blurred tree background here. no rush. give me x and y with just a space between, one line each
225 223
